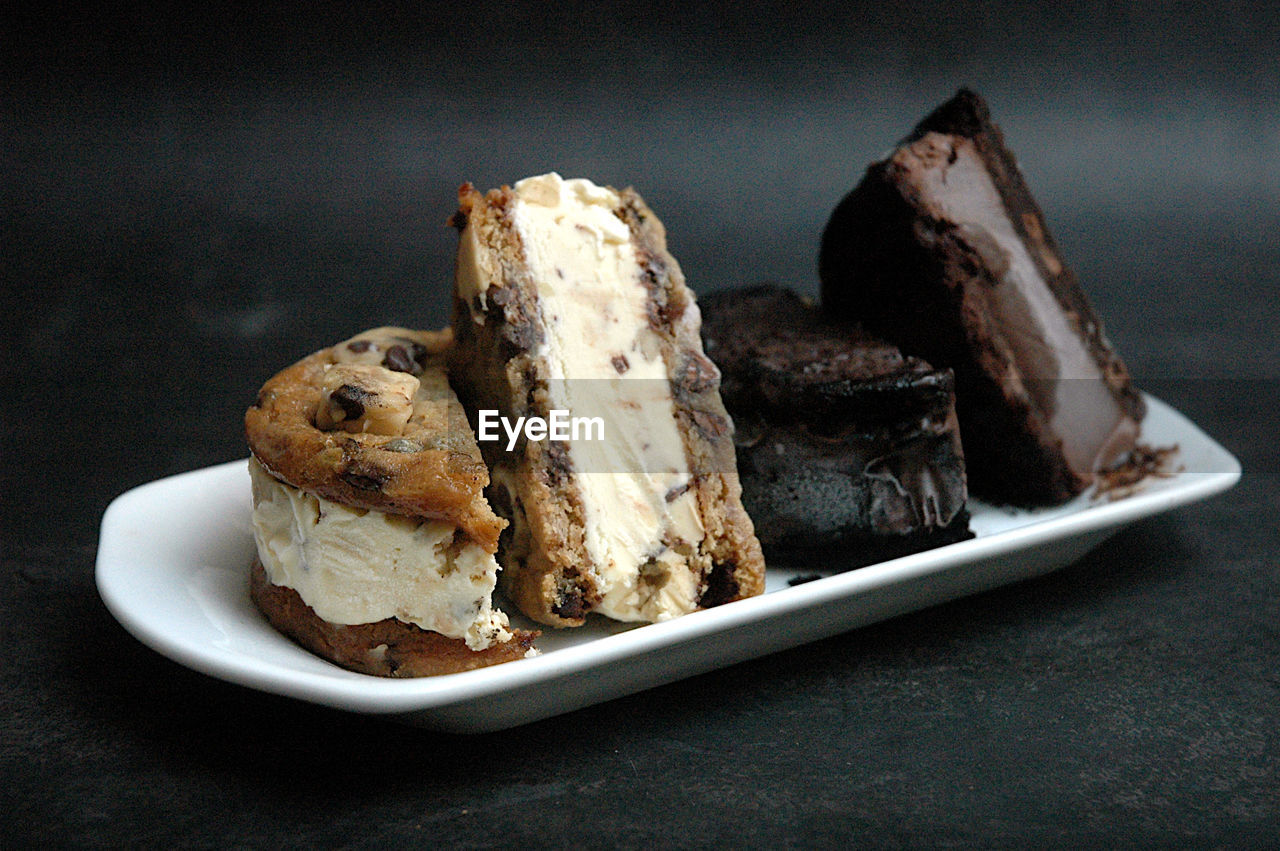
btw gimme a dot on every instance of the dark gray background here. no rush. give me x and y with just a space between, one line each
189 204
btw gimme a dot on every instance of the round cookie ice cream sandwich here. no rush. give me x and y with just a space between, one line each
375 543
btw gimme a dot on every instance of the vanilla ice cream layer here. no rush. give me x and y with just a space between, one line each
354 566
1057 367
641 524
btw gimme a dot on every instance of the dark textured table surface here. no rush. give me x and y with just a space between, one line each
189 205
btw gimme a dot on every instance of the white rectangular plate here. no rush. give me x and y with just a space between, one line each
174 556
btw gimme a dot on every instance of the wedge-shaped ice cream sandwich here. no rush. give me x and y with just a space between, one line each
568 301
375 543
943 251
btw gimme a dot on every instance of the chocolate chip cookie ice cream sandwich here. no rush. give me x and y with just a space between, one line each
567 303
375 543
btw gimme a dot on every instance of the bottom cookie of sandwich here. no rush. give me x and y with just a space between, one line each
387 648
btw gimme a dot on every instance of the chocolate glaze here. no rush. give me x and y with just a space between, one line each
941 285
841 441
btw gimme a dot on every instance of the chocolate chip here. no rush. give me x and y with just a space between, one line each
399 360
522 335
722 587
359 346
559 468
711 426
655 269
656 310
350 399
654 314
361 482
698 374
570 605
674 493
620 363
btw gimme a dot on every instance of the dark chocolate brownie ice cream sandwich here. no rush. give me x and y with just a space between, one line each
942 251
842 443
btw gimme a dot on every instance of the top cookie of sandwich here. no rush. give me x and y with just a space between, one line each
372 423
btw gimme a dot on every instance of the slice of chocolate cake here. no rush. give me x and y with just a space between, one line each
942 250
842 442
568 304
